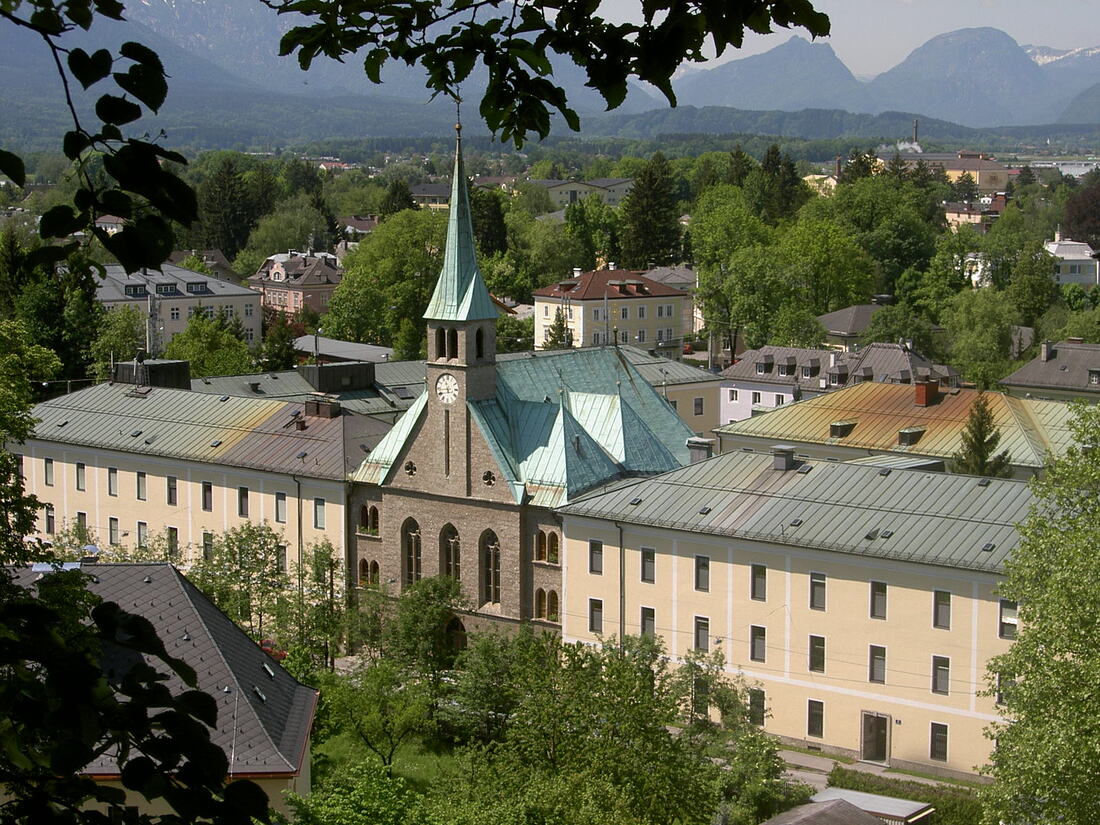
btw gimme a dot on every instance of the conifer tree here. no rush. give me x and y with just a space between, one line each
224 213
396 199
965 188
650 218
740 166
979 440
557 336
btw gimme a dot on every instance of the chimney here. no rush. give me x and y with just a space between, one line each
254 386
700 449
611 265
782 457
1046 351
916 128
837 167
927 392
833 356
299 423
576 272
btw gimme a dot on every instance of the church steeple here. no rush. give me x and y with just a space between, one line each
460 293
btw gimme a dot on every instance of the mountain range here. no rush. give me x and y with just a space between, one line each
229 88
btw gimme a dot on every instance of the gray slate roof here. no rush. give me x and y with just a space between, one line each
848 321
832 812
266 734
1067 368
113 286
344 350
936 519
888 808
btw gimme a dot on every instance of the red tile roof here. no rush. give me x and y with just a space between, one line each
610 283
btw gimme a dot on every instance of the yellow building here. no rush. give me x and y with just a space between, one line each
613 306
860 603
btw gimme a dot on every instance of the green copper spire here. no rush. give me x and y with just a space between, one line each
460 293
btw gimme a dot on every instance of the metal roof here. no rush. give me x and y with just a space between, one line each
237 432
264 713
929 518
1031 431
831 812
344 350
889 808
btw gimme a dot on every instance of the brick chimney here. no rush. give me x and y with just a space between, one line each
927 392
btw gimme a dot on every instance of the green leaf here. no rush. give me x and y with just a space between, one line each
200 705
74 143
144 80
58 222
89 69
376 58
248 797
116 110
12 166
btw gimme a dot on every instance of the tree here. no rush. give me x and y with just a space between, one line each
1045 763
277 351
487 217
740 166
860 164
558 335
1032 289
979 441
365 794
774 189
210 347
1082 221
595 226
1026 176
295 224
979 323
515 334
795 326
897 169
965 188
224 214
650 234
410 341
824 265
899 322
121 335
1084 325
398 198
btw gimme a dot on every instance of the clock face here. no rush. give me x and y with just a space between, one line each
447 388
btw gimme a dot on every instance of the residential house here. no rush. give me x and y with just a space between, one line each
915 420
845 327
611 191
212 259
264 714
683 278
860 606
431 195
613 305
614 191
1075 262
977 215
1066 371
169 296
292 281
465 482
354 227
770 377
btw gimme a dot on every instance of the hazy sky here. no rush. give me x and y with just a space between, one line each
871 36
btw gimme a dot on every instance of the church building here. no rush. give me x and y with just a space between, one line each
465 483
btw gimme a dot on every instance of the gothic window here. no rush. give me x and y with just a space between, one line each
540 604
552 606
449 549
490 567
440 343
540 546
364 517
374 573
552 548
410 552
372 520
479 344
452 343
364 573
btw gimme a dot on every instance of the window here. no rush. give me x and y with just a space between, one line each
815 718
758 643
624 313
450 553
51 520
112 481
207 495
756 707
595 338
733 395
817 654
876 665
112 530
697 406
595 557
490 567
318 514
649 622
545 310
702 633
140 485
142 534
280 559
410 552
595 615
641 313
242 502
878 600
941 609
817 591
702 573
540 604
1008 623
173 542
81 476
760 368
596 314
779 400
660 310
941 675
937 747
552 606
82 521
171 490
624 336
649 564
758 588
207 545
756 398
47 467
834 380
552 548
540 546
174 313
280 508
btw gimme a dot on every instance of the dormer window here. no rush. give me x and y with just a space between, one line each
807 372
759 367
135 290
196 286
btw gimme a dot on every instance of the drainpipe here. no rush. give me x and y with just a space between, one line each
622 589
301 594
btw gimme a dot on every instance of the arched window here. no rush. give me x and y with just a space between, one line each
373 573
372 520
540 604
364 573
440 343
364 517
410 552
552 606
479 344
552 548
540 546
449 552
452 343
490 567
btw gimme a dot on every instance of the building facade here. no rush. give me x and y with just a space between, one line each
609 306
861 622
292 281
1075 262
1065 371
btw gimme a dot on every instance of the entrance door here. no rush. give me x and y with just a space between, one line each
875 730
